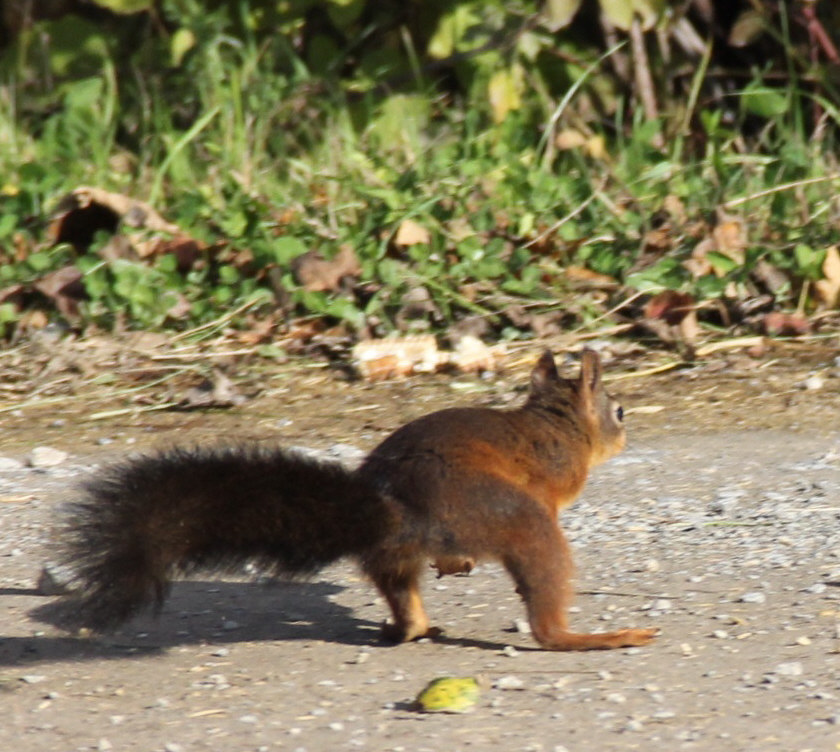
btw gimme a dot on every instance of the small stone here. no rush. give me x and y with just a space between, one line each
522 626
792 668
32 678
172 747
813 383
7 463
753 598
221 653
616 697
634 724
509 682
510 651
44 456
652 565
104 745
818 588
53 580
248 719
336 726
720 634
803 640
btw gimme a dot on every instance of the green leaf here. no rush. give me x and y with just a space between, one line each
287 248
764 101
183 40
125 7
559 13
721 263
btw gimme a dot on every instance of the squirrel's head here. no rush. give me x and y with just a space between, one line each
585 401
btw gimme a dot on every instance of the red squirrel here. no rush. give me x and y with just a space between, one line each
453 487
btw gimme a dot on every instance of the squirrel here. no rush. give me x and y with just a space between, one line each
453 486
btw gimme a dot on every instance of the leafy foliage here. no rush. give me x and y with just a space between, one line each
525 140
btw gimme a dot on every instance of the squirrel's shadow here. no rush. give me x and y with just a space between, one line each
199 611
211 612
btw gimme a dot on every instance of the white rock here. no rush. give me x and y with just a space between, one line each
44 456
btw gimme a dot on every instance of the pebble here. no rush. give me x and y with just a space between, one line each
7 463
753 598
509 682
792 668
510 651
45 456
522 626
812 383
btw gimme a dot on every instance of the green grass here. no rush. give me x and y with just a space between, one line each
263 166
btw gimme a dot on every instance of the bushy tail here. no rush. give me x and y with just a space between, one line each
146 520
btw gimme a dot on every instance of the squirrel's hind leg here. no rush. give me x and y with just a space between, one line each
400 584
542 573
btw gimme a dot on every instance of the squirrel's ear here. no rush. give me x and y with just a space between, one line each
544 371
590 371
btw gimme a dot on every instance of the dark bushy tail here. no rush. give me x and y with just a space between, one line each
148 519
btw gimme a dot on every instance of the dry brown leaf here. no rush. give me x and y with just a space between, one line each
86 210
65 288
411 233
471 355
580 276
828 289
318 274
730 238
672 316
569 138
785 324
379 359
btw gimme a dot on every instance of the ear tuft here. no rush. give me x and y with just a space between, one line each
590 370
544 371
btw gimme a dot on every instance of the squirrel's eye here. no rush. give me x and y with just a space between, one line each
619 413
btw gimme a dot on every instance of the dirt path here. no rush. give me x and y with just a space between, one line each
719 525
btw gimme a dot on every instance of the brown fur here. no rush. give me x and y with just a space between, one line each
453 486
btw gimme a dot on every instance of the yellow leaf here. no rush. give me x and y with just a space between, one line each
828 289
503 91
449 694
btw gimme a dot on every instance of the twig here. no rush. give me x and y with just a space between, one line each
571 215
127 410
216 322
778 189
646 372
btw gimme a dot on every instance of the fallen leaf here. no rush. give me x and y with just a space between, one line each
65 288
379 359
672 316
411 233
449 694
828 289
86 210
581 277
318 274
785 324
216 392
471 355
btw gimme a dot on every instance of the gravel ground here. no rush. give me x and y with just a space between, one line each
728 541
